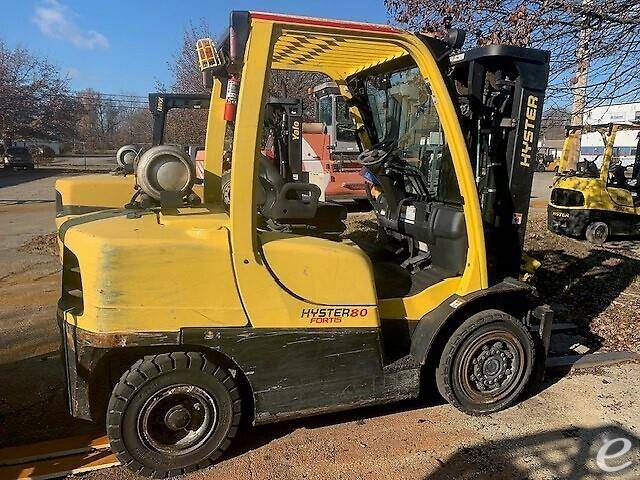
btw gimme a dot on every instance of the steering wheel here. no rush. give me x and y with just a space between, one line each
376 156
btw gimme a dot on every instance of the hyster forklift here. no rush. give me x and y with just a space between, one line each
181 322
90 193
594 201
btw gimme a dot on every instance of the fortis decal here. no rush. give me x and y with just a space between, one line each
529 129
331 315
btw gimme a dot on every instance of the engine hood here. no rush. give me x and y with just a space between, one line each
146 271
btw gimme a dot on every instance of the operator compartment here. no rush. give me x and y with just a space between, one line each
407 167
422 236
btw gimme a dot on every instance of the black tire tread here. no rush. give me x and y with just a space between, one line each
146 369
443 372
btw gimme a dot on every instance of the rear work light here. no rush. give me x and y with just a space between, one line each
208 56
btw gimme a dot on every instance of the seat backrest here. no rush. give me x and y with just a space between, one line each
269 183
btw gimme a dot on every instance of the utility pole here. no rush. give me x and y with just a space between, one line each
580 84
582 71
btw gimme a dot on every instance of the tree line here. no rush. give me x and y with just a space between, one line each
595 46
37 103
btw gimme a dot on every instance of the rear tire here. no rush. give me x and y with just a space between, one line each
597 233
486 363
172 413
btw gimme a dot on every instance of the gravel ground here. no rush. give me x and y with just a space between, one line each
556 433
597 288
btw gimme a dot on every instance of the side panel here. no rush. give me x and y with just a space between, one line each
90 193
622 198
319 270
302 372
172 277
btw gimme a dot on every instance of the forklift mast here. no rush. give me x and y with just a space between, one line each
161 103
284 117
501 92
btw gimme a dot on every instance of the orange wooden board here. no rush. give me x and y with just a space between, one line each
52 449
58 467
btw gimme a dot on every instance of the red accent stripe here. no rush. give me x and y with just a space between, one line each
371 27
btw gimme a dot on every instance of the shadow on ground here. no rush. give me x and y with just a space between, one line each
580 288
575 453
10 178
33 404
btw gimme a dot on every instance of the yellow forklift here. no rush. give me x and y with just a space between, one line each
180 320
596 201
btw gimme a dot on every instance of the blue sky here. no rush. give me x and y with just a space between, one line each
119 46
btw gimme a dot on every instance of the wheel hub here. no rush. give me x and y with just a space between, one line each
492 366
177 418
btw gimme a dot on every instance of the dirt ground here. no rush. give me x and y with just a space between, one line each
555 433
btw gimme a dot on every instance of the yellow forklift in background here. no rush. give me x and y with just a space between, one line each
596 201
179 320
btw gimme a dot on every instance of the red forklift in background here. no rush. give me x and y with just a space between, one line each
330 147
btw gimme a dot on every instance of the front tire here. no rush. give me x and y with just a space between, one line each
486 363
172 413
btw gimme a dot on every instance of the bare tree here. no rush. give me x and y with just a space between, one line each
135 126
184 64
109 122
34 97
188 126
292 84
601 35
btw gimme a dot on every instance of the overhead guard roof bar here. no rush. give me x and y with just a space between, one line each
294 19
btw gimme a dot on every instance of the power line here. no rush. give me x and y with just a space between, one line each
102 94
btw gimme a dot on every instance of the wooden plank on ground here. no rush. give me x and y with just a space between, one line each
591 360
60 467
53 449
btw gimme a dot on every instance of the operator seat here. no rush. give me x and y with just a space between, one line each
618 177
295 203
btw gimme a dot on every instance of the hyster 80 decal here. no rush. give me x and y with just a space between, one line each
332 315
